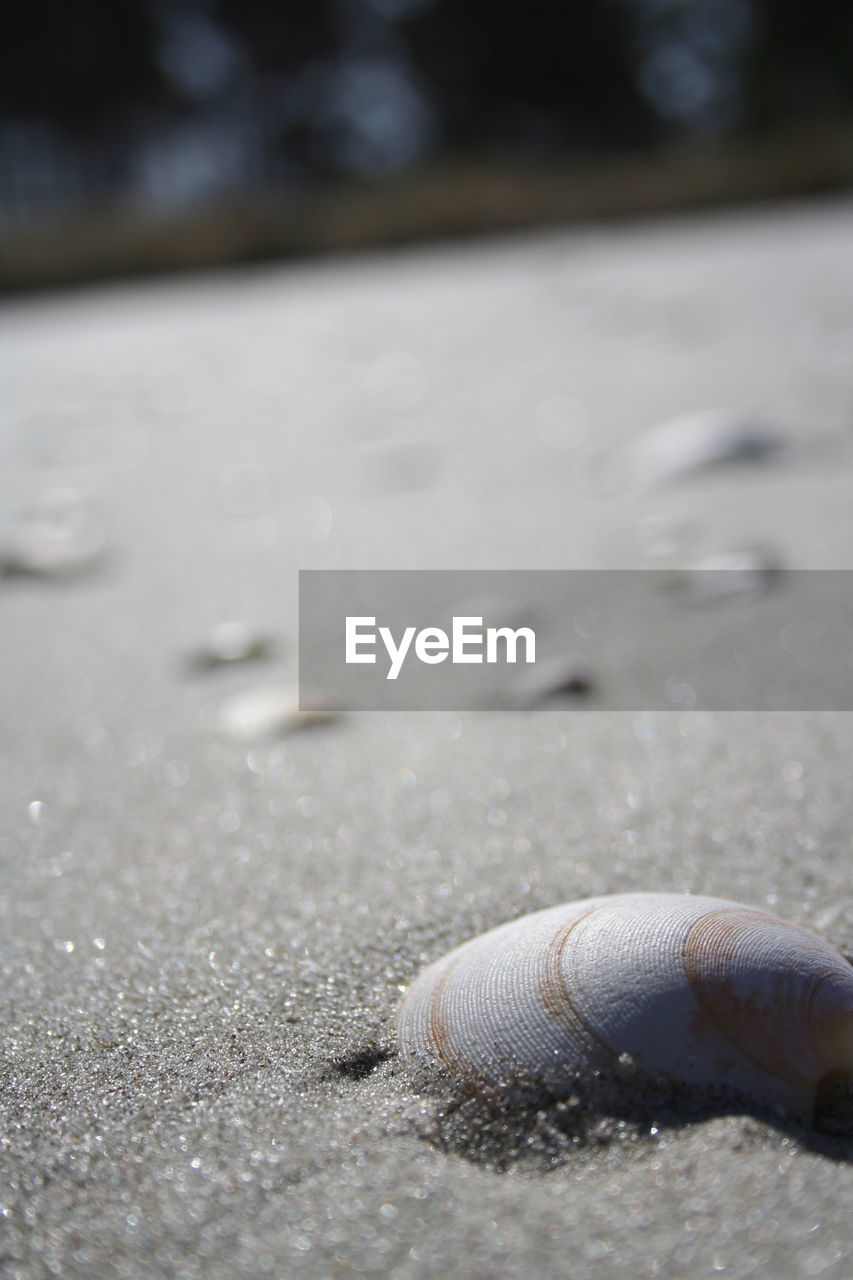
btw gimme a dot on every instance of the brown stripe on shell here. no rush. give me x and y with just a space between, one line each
439 1028
751 1024
556 996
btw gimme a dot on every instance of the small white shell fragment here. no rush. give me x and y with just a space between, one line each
60 539
701 441
699 992
728 575
553 682
269 710
228 644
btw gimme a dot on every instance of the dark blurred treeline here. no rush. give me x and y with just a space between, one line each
169 103
139 110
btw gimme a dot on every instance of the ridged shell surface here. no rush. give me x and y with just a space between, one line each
698 991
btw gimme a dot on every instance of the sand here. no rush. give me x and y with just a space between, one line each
207 923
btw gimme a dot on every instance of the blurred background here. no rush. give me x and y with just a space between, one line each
149 135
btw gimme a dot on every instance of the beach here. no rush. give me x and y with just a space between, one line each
211 906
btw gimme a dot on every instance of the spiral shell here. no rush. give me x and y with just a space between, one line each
698 992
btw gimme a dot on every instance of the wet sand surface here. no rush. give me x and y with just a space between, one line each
210 906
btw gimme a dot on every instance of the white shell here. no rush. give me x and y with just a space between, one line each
269 710
698 991
699 441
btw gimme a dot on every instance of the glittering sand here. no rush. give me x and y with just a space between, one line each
205 933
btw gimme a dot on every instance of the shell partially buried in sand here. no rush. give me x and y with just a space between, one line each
697 992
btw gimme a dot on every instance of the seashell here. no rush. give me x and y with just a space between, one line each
553 682
706 440
229 644
692 992
270 710
59 539
728 575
